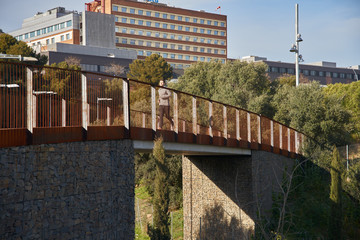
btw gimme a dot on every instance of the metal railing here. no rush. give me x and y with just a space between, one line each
44 98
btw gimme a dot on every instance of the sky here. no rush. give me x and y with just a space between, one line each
330 29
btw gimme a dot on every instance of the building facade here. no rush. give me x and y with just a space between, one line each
181 36
322 72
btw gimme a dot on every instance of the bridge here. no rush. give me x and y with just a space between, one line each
54 121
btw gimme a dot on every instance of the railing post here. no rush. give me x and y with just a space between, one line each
194 116
296 143
259 129
84 101
143 120
29 99
153 108
272 133
237 125
289 138
249 127
176 113
280 137
126 105
108 116
225 121
34 99
63 113
210 119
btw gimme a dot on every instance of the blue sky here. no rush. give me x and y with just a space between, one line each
330 28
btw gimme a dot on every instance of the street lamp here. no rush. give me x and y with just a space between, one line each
356 76
47 93
97 105
295 47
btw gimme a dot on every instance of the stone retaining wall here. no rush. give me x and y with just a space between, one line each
80 190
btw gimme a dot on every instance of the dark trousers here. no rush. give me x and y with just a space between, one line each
164 110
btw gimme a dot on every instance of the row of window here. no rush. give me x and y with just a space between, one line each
170 46
312 73
170 36
53 39
170 26
168 16
45 30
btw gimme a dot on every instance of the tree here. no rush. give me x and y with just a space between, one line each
151 70
9 45
161 194
115 69
335 221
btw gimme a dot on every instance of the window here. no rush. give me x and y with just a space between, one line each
157 14
172 36
132 42
124 41
140 22
187 19
157 24
195 39
187 57
216 23
47 41
187 38
202 30
216 51
165 45
321 74
172 56
195 20
349 76
116 29
180 28
141 52
291 71
132 21
67 36
208 22
172 46
148 23
195 58
140 12
195 30
140 42
164 15
202 40
222 51
202 49
52 40
209 41
172 17
164 25
313 73
132 10
216 42
172 26
148 53
69 23
282 70
187 48
328 74
62 25
43 31
306 72
123 9
38 32
208 59
157 34
62 38
223 60
222 24
116 19
132 31
56 27
180 37
148 13
117 40
165 55
26 35
148 44
222 33
180 47
216 32
179 18
342 75
195 49
180 56
222 43
209 50
335 75
115 8
157 44
123 20
202 59
123 30
164 35
187 29
202 21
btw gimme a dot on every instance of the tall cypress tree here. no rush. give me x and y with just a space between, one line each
335 221
161 194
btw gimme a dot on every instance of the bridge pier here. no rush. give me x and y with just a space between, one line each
222 194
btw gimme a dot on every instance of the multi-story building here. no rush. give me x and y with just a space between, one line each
181 36
323 72
53 26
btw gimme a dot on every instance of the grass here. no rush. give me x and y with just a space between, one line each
144 211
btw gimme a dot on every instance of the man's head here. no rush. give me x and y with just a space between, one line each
161 83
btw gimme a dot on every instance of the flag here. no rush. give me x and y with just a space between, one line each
218 8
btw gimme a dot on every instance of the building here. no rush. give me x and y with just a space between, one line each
323 72
53 26
181 36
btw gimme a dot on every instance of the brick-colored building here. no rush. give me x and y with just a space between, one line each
181 36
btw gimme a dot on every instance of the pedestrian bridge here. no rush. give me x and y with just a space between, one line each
42 105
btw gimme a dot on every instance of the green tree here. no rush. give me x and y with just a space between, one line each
335 221
161 194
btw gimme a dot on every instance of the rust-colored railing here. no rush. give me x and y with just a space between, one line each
50 105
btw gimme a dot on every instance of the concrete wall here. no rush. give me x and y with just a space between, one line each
226 192
81 190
